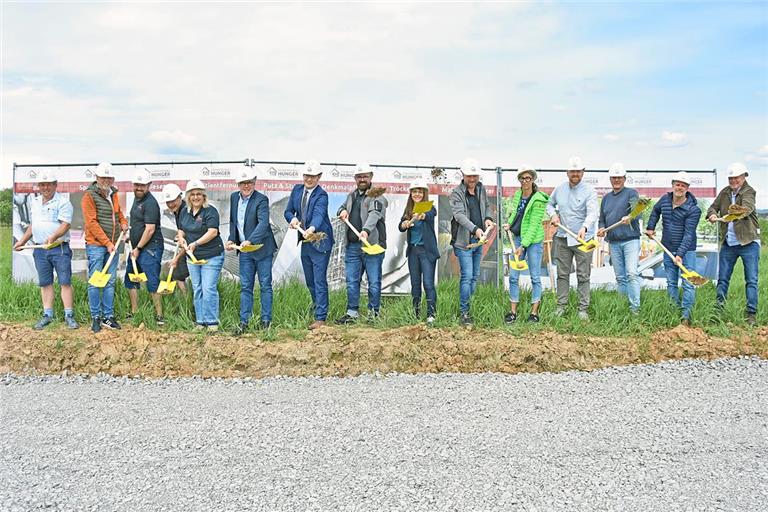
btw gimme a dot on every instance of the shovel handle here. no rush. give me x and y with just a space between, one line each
356 232
614 225
514 247
669 253
109 262
574 235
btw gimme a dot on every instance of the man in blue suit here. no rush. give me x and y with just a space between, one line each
249 225
307 209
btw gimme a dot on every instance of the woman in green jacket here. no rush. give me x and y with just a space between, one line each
525 223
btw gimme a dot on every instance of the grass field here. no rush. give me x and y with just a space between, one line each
291 309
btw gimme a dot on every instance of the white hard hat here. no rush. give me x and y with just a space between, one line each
681 176
575 164
104 170
363 168
47 176
245 174
194 184
418 183
142 177
170 192
617 170
523 169
470 167
312 168
737 169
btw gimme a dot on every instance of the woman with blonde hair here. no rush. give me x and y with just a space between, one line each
422 252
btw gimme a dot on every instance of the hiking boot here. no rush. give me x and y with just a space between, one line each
533 318
240 329
160 320
510 318
71 323
265 324
430 320
583 315
43 322
373 316
110 323
465 319
752 319
347 319
213 328
96 325
316 324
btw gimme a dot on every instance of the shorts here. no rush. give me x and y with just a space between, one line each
58 259
149 261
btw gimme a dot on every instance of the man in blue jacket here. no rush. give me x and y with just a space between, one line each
249 225
307 209
680 216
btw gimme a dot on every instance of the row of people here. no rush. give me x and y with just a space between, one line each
572 207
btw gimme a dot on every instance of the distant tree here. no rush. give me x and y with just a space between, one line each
6 207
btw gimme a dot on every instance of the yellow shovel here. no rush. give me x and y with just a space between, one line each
136 277
100 278
735 212
516 263
195 261
166 287
44 246
422 206
483 239
368 248
312 238
585 246
691 276
248 248
640 206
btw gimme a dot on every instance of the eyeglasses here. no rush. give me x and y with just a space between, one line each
247 183
196 194
524 179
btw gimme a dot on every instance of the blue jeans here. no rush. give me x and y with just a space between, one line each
315 265
101 301
673 276
205 280
750 257
533 255
422 271
469 265
249 267
355 262
625 256
149 262
58 258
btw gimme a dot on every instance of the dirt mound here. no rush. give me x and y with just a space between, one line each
347 351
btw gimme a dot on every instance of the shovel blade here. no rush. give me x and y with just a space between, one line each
588 246
99 279
373 250
694 278
519 265
422 207
166 287
138 278
251 248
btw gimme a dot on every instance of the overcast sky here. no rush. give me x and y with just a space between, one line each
653 85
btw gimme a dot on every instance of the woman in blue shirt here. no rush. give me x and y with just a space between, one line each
198 225
422 250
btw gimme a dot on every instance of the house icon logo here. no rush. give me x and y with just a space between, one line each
206 171
32 174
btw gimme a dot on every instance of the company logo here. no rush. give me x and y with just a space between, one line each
88 173
32 174
213 172
638 180
272 171
283 173
160 173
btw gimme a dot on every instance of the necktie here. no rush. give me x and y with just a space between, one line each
304 201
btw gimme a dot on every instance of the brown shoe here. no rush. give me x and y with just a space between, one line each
316 324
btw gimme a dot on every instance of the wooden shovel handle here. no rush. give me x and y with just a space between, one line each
356 232
669 253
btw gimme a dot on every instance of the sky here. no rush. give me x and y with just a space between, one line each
652 85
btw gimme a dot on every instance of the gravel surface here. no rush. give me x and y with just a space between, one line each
687 435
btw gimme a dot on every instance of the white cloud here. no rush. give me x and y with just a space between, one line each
175 142
673 139
611 137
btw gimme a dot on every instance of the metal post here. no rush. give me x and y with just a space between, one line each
499 239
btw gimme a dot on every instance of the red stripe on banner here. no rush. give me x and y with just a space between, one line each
652 192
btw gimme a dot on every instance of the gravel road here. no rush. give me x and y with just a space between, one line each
687 435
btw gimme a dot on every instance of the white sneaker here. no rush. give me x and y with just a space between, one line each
430 320
583 315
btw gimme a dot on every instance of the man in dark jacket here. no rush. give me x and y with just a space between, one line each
249 226
740 238
680 216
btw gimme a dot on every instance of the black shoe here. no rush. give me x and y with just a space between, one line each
533 318
465 319
346 320
752 319
129 316
96 325
240 329
265 324
159 320
70 321
510 318
373 316
42 323
110 323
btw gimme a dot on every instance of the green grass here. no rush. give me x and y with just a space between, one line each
291 308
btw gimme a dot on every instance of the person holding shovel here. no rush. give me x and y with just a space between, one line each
624 240
307 212
422 252
172 196
199 237
471 213
105 225
573 204
365 211
680 216
251 235
146 246
51 218
740 237
527 231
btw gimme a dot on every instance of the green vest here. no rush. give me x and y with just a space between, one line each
531 229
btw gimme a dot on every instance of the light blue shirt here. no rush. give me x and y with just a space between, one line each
577 208
730 236
242 205
46 217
